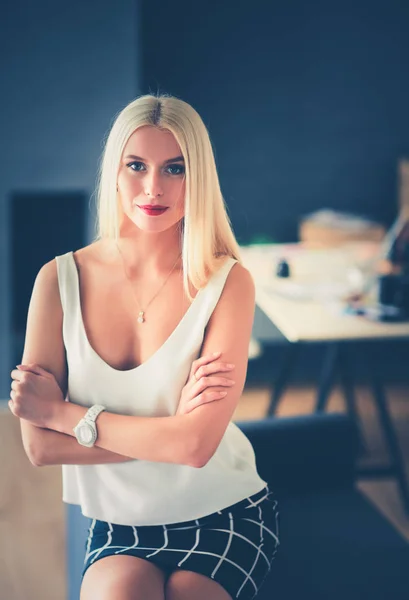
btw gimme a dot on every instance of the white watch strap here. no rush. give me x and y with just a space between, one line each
93 412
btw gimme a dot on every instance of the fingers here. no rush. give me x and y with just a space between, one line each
204 399
19 382
33 368
15 387
208 364
202 361
16 374
205 382
214 367
21 376
11 407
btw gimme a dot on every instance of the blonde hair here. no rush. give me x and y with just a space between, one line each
206 232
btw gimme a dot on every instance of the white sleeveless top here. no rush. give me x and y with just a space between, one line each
141 492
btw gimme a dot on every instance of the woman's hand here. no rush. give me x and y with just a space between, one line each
195 391
35 395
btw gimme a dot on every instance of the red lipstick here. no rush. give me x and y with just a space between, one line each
153 210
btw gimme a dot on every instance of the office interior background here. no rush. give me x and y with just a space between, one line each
307 109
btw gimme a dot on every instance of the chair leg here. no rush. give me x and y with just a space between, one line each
347 383
327 376
281 382
398 464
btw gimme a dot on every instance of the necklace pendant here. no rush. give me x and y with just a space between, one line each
140 317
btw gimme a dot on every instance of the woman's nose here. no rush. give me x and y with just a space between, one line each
153 185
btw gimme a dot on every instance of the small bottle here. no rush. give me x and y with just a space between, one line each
393 278
283 268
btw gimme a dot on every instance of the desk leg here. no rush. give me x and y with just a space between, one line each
283 377
335 357
398 465
327 376
347 383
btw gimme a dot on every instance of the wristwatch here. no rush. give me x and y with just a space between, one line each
86 430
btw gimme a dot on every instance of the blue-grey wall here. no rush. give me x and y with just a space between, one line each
66 69
307 102
307 105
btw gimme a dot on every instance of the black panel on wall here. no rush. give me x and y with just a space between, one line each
42 226
306 102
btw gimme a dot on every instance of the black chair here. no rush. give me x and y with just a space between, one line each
334 543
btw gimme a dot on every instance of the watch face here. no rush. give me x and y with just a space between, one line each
85 434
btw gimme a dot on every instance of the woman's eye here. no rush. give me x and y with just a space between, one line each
132 164
173 169
179 169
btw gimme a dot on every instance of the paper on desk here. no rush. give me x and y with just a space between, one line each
323 291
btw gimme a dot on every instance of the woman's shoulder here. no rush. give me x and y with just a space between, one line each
223 260
95 254
238 275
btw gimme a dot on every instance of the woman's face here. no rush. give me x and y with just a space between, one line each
152 172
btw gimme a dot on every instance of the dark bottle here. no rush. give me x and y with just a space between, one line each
394 287
283 268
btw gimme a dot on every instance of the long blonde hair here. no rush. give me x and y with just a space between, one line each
206 232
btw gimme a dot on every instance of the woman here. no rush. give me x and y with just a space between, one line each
122 382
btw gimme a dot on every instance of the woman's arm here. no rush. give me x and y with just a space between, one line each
189 439
157 439
54 448
44 345
192 438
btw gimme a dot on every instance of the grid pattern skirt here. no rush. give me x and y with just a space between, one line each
234 546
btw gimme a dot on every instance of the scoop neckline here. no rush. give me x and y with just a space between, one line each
157 352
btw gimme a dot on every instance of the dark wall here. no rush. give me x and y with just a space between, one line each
307 103
66 69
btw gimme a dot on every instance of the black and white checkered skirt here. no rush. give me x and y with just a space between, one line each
234 546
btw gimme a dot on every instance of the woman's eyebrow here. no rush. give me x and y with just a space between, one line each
169 160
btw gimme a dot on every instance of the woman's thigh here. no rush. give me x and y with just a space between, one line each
186 585
123 578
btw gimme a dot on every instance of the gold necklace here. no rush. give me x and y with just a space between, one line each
141 315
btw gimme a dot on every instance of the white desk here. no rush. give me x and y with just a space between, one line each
314 316
306 319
